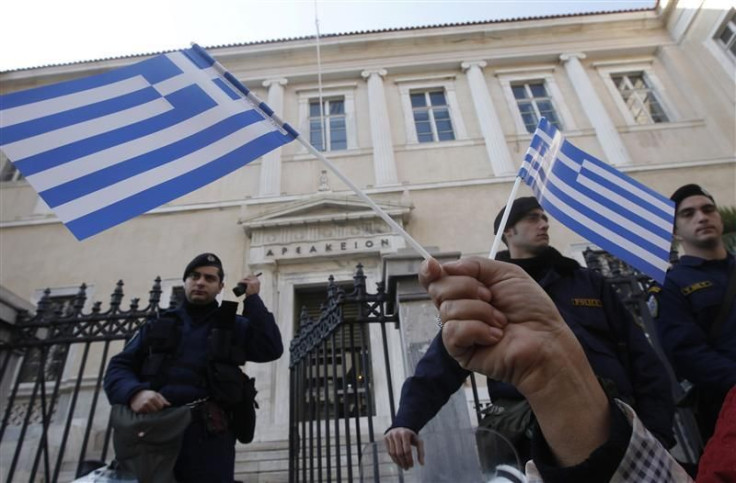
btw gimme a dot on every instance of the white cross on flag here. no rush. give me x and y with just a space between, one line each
104 149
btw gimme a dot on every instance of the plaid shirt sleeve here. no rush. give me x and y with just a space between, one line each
645 458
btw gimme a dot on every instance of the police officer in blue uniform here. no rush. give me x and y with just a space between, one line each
687 305
169 363
614 344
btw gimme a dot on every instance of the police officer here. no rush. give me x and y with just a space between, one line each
169 363
692 299
616 347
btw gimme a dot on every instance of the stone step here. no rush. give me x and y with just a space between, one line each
257 452
269 462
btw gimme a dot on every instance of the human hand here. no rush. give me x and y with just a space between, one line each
399 442
498 321
148 401
252 284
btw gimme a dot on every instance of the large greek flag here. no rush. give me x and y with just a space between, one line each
598 202
104 149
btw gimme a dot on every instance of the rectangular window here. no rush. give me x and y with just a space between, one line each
534 102
327 129
726 37
431 116
639 97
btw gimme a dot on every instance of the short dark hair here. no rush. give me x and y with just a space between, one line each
686 191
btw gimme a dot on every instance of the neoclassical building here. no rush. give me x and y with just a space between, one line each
432 123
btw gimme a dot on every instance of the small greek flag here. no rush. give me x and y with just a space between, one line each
603 205
104 149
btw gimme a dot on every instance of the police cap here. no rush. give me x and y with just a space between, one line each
205 260
519 208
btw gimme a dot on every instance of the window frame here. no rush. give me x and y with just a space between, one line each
326 125
713 44
510 78
347 92
729 20
407 86
608 70
431 111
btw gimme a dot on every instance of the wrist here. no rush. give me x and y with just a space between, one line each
568 399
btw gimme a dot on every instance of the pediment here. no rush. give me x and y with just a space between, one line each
324 225
323 209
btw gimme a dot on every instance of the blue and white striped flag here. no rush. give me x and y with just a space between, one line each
104 149
603 205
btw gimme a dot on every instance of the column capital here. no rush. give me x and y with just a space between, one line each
469 64
278 81
572 55
371 72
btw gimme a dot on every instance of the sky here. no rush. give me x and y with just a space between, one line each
42 32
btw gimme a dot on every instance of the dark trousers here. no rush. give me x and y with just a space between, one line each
204 457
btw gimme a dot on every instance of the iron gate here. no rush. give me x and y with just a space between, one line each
54 422
332 402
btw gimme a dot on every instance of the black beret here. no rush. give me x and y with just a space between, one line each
204 260
687 191
519 208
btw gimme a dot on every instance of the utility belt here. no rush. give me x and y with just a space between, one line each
213 416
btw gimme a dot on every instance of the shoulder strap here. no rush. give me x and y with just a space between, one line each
726 305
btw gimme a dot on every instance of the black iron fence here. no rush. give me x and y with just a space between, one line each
333 401
54 418
52 363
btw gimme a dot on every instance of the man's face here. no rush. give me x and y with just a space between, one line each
202 285
528 237
698 223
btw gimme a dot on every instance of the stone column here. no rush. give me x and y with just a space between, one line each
613 147
270 182
384 164
490 126
449 443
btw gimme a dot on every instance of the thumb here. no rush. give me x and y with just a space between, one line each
429 271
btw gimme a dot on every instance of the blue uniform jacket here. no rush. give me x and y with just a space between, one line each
256 332
598 319
688 303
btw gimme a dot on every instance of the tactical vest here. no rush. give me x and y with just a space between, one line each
227 384
221 374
